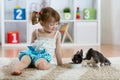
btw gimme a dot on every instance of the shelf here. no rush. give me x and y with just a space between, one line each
78 21
15 45
75 44
16 20
67 44
86 20
67 21
83 32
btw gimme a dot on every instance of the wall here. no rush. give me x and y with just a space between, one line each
116 21
0 22
110 25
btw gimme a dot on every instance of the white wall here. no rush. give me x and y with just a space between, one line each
110 16
116 20
0 22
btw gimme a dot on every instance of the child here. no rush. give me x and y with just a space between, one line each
45 42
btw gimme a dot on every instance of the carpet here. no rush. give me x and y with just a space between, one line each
62 73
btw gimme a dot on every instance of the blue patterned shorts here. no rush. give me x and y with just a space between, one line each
34 55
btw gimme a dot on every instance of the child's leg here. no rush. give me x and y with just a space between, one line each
23 63
42 64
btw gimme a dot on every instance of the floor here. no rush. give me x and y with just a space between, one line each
107 50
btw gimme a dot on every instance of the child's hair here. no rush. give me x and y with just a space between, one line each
45 15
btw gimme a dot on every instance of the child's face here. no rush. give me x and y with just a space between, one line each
51 26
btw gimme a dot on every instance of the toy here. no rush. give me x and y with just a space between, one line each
64 32
67 13
13 37
78 13
17 6
19 13
45 3
89 14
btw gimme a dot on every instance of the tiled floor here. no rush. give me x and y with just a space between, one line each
107 50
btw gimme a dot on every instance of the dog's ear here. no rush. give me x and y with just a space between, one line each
77 52
81 52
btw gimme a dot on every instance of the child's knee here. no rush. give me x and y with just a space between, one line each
43 65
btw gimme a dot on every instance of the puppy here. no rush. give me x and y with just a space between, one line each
97 57
78 57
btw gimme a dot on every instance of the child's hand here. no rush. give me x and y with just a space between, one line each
60 65
65 65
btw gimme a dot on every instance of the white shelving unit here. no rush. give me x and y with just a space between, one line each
83 32
10 24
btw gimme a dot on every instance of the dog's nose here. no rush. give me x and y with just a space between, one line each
77 61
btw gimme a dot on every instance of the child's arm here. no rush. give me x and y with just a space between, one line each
58 50
33 36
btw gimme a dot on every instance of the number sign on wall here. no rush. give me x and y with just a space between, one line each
89 14
19 14
13 37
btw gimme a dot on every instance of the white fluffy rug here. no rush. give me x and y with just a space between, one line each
62 73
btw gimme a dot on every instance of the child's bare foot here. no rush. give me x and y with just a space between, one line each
17 73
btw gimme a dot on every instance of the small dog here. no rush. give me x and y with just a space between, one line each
78 57
96 57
